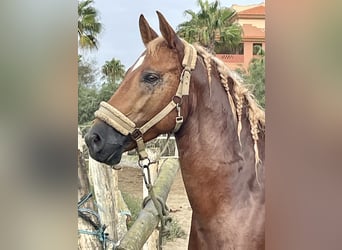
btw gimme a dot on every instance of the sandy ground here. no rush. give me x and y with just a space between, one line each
130 181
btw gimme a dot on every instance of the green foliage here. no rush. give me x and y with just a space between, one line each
255 77
88 103
86 72
91 94
210 26
223 48
87 93
89 99
107 90
175 231
89 26
134 206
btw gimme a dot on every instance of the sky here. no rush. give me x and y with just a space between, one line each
120 38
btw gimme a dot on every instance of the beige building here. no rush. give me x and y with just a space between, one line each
252 20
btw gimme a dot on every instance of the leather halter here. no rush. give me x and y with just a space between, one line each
125 126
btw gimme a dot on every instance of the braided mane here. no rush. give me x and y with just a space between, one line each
237 96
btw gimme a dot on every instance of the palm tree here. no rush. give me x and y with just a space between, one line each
210 26
89 26
113 70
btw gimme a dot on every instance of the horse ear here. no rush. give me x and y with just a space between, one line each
147 33
169 34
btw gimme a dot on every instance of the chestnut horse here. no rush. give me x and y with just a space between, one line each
175 87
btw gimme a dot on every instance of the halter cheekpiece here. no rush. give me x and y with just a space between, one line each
125 126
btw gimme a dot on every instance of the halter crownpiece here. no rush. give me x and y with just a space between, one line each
125 126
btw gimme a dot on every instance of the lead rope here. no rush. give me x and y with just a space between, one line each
159 204
99 228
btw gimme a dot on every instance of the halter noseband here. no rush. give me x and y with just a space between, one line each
125 126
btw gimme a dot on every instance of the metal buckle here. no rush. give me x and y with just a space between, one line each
136 134
179 119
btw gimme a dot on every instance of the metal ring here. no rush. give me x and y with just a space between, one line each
142 164
178 102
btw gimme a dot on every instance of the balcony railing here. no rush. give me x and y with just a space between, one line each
231 58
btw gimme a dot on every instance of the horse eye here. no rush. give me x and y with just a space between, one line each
151 78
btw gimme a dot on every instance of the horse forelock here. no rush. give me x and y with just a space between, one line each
154 45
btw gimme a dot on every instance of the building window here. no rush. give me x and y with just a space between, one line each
237 50
240 49
257 47
224 49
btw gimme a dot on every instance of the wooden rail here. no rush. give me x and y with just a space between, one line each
148 218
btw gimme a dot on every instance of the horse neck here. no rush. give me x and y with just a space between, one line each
210 153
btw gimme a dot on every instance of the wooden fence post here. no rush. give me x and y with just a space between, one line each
104 181
84 241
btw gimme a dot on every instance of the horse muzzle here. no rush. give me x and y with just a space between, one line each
105 144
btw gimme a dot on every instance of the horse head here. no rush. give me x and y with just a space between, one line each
149 101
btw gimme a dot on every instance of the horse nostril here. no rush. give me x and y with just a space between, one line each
94 142
95 138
